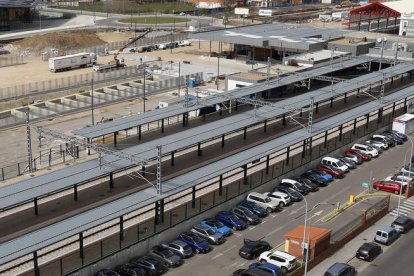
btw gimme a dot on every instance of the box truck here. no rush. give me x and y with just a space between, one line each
68 62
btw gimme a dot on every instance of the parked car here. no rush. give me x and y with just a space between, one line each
352 157
281 197
399 134
386 235
383 139
260 211
180 248
162 46
264 201
400 178
293 194
197 243
365 149
364 156
388 186
349 163
166 256
331 170
211 236
408 170
341 269
294 185
335 163
382 145
151 265
217 226
307 183
252 249
271 269
184 43
106 272
394 137
245 214
368 251
231 220
378 148
130 270
403 224
317 178
281 259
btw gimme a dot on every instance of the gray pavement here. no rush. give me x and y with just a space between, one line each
224 259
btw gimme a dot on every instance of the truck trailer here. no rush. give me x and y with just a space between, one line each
68 62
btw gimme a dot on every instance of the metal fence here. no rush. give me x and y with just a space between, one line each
141 224
11 60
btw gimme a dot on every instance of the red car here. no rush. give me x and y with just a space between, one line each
331 170
388 186
364 156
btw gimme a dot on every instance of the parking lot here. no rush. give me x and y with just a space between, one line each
224 259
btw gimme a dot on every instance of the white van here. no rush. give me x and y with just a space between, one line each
336 163
366 149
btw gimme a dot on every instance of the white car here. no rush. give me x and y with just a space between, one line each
366 149
263 201
162 46
404 180
282 198
285 261
184 43
380 144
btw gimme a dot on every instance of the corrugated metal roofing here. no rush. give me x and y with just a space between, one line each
158 114
65 178
28 243
291 37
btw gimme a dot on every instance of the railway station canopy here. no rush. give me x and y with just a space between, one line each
279 36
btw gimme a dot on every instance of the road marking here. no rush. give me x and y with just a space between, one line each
251 228
217 256
228 249
238 235
274 231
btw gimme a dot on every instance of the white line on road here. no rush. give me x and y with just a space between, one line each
217 256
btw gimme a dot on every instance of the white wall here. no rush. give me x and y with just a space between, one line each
407 25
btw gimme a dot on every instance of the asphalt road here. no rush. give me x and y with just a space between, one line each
397 260
224 259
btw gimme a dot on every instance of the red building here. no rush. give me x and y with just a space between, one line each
374 17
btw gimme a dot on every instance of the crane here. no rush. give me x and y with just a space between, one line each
131 42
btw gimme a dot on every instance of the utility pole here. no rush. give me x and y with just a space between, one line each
29 141
144 86
159 168
93 117
179 78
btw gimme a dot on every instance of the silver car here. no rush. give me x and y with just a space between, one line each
209 234
180 248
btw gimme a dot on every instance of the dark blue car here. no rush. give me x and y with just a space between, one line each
231 220
274 269
259 211
197 243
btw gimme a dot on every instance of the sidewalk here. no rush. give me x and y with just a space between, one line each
347 253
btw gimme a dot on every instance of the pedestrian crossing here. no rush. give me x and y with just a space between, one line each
406 207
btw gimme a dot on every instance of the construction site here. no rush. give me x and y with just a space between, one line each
119 137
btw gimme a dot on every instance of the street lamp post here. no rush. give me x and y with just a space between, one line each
382 41
309 230
409 174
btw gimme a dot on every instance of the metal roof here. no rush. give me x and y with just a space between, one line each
285 36
18 3
62 179
28 243
174 110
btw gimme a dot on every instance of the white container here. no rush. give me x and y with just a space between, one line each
57 64
404 124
